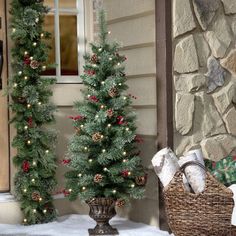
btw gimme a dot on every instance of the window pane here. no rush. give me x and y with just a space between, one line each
68 37
50 27
67 4
49 3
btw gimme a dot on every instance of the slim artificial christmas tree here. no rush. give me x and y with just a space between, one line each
30 93
103 157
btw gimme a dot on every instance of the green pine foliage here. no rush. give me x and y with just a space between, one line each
30 93
223 170
102 155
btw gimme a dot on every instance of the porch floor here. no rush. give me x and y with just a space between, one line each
77 225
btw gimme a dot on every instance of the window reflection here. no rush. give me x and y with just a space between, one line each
68 47
50 27
49 3
67 3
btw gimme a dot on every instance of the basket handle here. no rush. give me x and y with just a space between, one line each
190 163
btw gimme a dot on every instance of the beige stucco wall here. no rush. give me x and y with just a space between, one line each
132 22
204 69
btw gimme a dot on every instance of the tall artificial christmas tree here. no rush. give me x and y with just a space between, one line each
30 93
103 154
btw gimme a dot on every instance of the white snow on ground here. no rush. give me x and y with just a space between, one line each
77 225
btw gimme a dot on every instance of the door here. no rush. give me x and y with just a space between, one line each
4 131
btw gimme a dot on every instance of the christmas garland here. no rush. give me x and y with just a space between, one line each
30 93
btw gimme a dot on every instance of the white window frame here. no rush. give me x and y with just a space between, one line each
79 12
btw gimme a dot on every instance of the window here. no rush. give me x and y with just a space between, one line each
67 25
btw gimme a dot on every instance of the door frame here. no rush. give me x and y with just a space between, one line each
4 118
165 128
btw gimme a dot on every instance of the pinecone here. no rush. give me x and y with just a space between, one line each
97 137
77 130
35 196
120 202
20 100
141 180
94 59
110 113
113 92
34 64
97 178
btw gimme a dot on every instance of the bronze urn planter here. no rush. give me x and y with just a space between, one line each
102 210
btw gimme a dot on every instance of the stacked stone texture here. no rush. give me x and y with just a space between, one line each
204 67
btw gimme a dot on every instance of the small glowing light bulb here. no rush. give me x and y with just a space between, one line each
26 127
88 95
44 211
70 190
102 136
109 125
118 64
39 103
124 153
100 49
110 59
83 188
34 44
102 106
31 58
120 84
90 160
103 150
44 67
40 199
105 169
26 77
109 32
13 30
34 210
96 116
127 129
124 160
15 85
29 106
26 53
37 20
20 73
82 126
33 180
85 148
80 175
124 98
129 173
42 35
132 185
29 142
34 163
25 190
113 191
102 82
25 220
47 151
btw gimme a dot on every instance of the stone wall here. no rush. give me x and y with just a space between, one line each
204 73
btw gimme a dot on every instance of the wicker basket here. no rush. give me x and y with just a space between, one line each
205 214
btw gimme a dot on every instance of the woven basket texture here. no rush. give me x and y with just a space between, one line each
205 214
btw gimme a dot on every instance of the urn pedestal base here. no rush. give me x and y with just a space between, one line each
102 210
104 230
